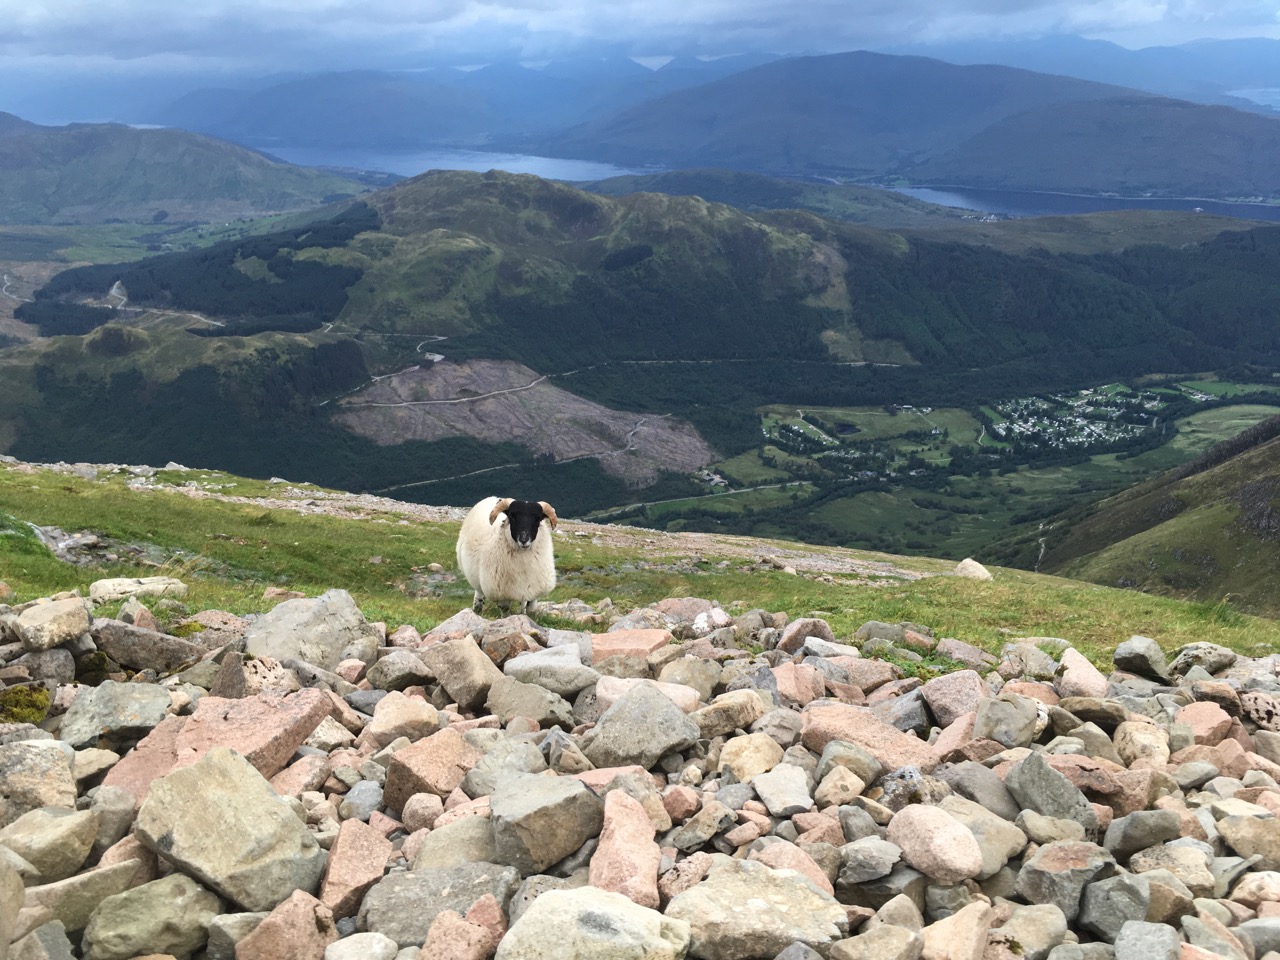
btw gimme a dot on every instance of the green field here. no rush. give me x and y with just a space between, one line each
1223 388
953 517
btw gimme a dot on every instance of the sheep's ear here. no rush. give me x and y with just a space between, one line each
550 513
499 507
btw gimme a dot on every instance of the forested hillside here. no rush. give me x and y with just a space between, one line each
649 303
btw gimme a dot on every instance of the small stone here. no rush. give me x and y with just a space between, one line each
1143 656
1108 904
640 729
587 922
55 841
1039 787
48 625
35 773
745 909
357 860
627 859
404 905
220 821
952 695
1059 872
935 843
362 946
784 790
962 936
170 915
299 927
1139 940
322 631
538 821
1078 677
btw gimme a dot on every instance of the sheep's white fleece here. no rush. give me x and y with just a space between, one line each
496 567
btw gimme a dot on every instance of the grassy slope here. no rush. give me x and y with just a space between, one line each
1204 531
229 552
88 173
1088 232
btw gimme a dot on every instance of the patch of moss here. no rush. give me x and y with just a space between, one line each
185 630
24 704
93 668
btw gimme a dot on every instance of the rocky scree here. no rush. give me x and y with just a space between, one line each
306 784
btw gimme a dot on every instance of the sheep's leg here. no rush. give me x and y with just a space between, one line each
528 607
477 602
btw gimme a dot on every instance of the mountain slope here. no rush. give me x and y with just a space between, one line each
1207 530
1132 146
1205 71
868 115
850 113
90 173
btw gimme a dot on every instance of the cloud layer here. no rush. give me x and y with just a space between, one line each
304 34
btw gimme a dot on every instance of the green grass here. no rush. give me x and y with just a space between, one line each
229 553
1225 388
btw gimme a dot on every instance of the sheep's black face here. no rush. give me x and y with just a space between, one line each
523 518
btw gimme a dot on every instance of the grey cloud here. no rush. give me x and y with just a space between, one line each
293 34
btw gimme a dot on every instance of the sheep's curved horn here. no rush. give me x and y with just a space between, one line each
500 507
550 513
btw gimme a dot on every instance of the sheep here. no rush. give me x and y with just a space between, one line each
502 556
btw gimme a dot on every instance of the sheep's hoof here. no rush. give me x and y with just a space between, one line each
528 607
477 604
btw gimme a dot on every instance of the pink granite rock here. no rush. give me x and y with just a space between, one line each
935 843
798 683
305 773
626 860
436 765
824 722
1078 677
300 928
265 730
397 715
479 807
788 856
628 643
611 689
685 874
357 860
955 735
952 695
866 675
452 937
1209 723
680 802
153 757
795 633
422 810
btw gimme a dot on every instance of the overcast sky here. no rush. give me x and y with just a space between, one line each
265 35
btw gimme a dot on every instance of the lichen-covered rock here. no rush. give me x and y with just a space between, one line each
170 916
592 924
745 909
220 821
323 631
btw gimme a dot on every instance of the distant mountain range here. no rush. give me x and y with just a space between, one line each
868 115
91 173
404 110
1206 71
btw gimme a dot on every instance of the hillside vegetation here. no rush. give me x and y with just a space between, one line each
230 537
1206 530
94 172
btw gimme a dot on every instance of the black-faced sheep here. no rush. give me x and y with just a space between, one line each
503 557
